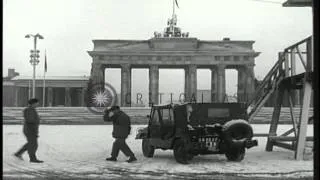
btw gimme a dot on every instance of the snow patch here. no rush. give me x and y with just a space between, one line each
80 150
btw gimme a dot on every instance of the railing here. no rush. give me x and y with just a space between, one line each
290 55
267 87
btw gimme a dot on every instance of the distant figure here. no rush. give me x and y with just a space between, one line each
121 130
189 113
31 131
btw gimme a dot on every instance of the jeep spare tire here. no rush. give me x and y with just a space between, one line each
147 148
235 132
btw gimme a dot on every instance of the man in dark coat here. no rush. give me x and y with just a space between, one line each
31 131
121 130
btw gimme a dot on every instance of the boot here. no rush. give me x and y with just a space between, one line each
19 156
111 159
131 159
36 161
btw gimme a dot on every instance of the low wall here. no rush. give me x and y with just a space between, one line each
81 115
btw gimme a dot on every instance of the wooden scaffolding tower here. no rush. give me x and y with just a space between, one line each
283 80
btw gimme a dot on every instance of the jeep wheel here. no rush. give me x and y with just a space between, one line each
147 149
189 156
180 153
235 154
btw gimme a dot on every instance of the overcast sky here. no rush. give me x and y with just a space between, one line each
69 26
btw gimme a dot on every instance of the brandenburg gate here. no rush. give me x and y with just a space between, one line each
174 49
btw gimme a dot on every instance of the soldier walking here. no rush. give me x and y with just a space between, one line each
121 130
31 131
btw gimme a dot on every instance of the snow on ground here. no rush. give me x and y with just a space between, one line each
79 151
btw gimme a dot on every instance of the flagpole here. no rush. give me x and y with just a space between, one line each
29 90
172 24
44 89
173 8
44 82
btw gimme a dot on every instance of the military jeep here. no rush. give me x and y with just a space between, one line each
197 129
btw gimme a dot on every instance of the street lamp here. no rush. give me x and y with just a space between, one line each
34 60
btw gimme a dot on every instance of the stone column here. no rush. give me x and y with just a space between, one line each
97 73
250 82
186 82
50 96
192 83
153 84
241 84
67 97
125 85
221 83
82 100
214 84
16 102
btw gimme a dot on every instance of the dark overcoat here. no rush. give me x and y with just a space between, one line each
121 124
31 122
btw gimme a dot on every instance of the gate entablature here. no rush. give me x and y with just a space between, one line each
175 51
173 44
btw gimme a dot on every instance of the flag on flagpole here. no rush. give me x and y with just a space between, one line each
177 3
45 62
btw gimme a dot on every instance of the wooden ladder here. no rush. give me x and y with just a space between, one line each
282 79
